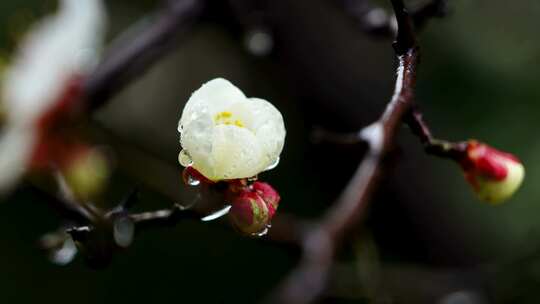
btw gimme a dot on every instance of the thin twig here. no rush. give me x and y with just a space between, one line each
433 146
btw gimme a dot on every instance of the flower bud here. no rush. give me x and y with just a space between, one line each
86 173
493 174
269 195
249 212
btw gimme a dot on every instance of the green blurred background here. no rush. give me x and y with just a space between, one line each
426 240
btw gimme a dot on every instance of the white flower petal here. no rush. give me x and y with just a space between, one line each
229 136
235 153
212 98
196 139
266 122
58 48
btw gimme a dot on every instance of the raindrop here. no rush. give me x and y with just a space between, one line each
259 42
192 181
191 177
262 232
273 165
65 254
184 159
217 214
124 230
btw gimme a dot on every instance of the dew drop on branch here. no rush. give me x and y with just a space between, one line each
192 181
123 231
263 232
65 254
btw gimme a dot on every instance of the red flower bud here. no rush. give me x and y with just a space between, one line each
249 212
269 195
236 185
493 174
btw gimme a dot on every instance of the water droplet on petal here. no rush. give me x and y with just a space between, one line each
123 231
217 214
273 165
185 159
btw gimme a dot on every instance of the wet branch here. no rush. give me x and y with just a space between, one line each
320 245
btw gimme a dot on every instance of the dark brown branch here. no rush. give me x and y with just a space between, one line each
308 281
116 230
128 61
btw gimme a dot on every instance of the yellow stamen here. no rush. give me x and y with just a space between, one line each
238 123
225 118
223 115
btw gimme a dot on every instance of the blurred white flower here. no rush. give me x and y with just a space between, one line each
54 52
226 135
57 52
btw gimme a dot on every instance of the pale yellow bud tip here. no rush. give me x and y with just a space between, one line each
88 174
496 192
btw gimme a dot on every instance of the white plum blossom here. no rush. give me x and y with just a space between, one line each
56 51
225 135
